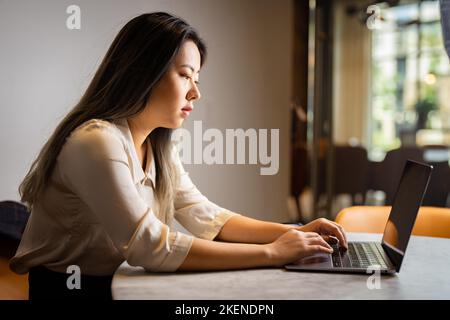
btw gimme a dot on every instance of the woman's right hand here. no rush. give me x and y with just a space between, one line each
294 245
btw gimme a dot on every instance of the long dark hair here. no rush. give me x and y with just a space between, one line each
136 60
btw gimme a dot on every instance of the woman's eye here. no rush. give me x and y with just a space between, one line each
189 78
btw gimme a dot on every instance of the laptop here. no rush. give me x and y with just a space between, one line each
388 255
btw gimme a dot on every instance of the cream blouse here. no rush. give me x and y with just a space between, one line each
99 209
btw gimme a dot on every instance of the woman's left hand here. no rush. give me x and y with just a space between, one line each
325 228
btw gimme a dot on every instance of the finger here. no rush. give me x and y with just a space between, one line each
330 239
341 229
319 241
338 233
311 234
319 249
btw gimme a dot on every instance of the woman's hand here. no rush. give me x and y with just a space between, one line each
326 228
294 245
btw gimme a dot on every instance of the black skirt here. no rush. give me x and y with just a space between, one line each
48 284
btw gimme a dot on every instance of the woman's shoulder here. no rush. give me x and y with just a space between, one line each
96 128
95 134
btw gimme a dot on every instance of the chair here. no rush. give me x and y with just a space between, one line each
439 187
386 175
13 219
351 167
389 172
12 286
430 222
347 175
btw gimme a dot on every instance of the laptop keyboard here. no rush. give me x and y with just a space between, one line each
361 255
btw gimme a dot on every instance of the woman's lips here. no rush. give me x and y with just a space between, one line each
186 110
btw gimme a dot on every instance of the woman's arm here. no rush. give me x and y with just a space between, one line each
213 255
248 230
289 247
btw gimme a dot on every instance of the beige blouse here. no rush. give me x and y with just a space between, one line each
99 209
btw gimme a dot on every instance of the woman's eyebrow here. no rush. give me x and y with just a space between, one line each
188 66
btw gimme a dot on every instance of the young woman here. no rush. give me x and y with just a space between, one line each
108 183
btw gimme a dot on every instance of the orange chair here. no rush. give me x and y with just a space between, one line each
12 286
430 222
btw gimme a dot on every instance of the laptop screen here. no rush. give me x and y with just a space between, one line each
407 200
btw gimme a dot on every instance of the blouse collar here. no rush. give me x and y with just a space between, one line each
139 175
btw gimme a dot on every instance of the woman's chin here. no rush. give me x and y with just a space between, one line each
174 125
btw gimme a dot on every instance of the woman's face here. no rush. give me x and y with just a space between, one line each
173 96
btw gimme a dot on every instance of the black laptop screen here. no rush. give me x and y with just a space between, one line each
406 204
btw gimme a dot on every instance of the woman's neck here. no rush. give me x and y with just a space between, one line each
139 134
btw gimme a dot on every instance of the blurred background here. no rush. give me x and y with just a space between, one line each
371 89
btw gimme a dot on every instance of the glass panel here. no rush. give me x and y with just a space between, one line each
410 79
391 98
429 11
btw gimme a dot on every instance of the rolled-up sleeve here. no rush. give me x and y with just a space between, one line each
95 165
193 210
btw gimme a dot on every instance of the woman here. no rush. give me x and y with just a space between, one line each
108 183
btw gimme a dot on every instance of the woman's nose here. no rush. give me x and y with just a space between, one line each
194 93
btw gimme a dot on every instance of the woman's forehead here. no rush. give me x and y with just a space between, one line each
188 56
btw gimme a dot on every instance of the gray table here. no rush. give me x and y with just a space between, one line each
425 274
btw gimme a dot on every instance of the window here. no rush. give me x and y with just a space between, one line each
410 79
